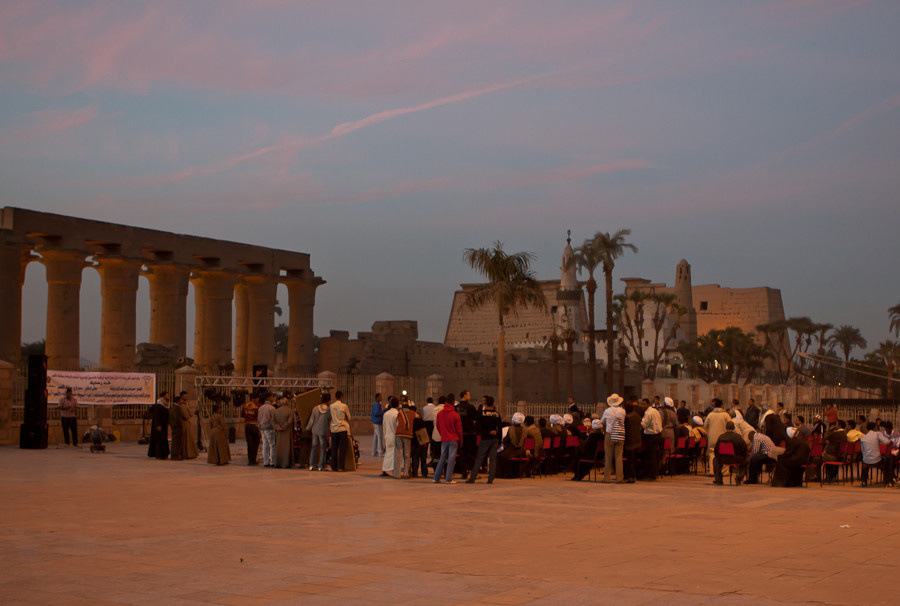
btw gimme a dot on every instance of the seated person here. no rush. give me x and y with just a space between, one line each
762 452
789 465
870 445
592 444
834 438
739 458
513 448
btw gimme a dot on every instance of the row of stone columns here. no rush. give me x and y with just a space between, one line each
254 296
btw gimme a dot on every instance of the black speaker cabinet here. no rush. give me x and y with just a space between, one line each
33 436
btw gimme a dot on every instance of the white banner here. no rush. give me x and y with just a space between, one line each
102 388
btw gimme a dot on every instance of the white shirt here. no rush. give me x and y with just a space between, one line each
652 423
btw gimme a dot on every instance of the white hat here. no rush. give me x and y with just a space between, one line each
596 424
518 418
697 420
555 420
567 418
614 400
790 431
670 402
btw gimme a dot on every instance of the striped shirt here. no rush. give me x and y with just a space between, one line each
762 445
613 420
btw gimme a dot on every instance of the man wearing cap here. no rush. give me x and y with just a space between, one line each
613 423
489 426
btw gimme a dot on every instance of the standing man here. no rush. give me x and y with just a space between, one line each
613 421
715 426
467 414
68 414
159 428
403 436
449 426
250 412
390 431
266 420
340 428
651 424
489 426
284 434
377 420
318 424
752 415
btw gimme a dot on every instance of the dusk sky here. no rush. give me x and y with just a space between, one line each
758 140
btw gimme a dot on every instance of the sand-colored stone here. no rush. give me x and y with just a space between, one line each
119 528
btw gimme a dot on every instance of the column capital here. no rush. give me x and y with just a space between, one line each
63 266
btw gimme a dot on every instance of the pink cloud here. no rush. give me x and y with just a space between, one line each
46 122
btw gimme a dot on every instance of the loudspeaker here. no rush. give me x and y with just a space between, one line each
37 371
33 436
260 370
35 412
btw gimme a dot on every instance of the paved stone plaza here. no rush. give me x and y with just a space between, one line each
118 528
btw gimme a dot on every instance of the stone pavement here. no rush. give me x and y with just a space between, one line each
118 528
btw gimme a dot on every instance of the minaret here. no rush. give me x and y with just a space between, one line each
684 294
569 296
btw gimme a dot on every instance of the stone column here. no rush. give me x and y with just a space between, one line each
12 275
63 297
7 374
261 300
118 289
301 300
168 306
214 291
241 326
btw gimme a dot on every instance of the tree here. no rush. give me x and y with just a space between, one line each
511 285
894 315
780 347
633 312
588 257
281 338
846 338
888 356
724 356
612 247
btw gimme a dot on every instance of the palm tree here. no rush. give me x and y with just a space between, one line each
888 356
847 337
894 315
611 247
588 257
511 284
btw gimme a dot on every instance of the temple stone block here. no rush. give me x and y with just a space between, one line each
63 296
118 288
12 275
261 301
168 306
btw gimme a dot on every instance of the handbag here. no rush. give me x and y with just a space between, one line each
422 436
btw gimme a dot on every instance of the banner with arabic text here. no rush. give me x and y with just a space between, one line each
102 388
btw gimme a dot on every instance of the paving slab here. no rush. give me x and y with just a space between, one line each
119 528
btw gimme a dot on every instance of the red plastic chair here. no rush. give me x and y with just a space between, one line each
842 464
814 461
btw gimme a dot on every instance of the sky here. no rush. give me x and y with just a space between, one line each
758 140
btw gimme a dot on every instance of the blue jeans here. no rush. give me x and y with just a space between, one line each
378 440
487 448
268 446
319 443
448 459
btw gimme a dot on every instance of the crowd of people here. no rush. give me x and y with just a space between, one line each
630 439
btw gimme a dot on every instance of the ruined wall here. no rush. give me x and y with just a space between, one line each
477 330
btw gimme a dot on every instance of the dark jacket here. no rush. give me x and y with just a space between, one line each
740 448
632 431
